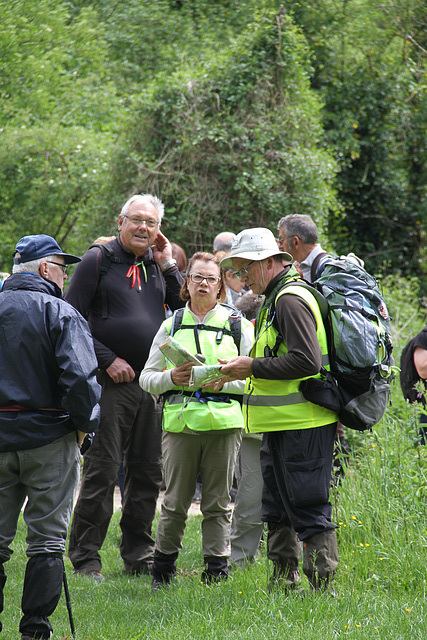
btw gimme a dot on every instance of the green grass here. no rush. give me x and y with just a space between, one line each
381 583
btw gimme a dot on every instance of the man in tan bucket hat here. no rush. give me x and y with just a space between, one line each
298 436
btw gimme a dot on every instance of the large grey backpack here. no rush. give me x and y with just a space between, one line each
360 348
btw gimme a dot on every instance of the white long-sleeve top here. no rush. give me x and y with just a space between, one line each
154 380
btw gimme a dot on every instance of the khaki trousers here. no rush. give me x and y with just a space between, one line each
185 455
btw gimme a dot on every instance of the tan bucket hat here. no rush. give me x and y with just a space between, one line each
254 244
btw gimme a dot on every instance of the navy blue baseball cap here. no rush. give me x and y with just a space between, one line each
31 248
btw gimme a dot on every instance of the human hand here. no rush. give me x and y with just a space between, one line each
236 369
120 371
162 250
180 376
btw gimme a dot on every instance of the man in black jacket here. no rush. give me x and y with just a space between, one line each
48 392
121 289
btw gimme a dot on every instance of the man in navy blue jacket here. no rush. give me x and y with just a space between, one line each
48 401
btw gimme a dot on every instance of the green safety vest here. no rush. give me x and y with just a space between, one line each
278 405
183 411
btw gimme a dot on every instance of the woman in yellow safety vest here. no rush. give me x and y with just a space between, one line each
201 428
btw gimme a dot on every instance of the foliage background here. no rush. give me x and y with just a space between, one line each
234 113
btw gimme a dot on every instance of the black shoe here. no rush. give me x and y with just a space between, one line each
216 569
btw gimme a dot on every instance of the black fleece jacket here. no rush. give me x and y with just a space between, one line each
134 315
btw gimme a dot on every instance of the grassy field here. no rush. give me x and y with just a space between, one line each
381 583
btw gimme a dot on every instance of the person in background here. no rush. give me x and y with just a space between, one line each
296 455
223 241
178 254
246 524
233 286
298 236
121 288
48 401
249 304
420 362
413 369
3 276
201 430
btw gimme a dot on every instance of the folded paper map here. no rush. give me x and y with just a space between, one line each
176 353
205 374
201 373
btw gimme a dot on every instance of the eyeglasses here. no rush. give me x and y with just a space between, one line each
150 224
198 279
280 240
64 267
243 272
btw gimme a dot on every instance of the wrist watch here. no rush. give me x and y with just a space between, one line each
168 264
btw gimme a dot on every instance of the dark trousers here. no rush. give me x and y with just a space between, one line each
130 422
296 468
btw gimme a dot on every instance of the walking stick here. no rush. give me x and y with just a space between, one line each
68 601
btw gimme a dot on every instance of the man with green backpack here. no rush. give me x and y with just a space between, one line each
298 436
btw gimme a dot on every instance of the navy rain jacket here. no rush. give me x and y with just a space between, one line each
47 365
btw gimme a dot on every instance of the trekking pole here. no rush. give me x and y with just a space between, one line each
68 601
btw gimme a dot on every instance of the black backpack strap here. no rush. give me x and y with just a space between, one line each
235 320
235 331
176 320
106 257
313 272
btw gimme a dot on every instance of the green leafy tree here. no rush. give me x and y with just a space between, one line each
370 68
56 123
233 143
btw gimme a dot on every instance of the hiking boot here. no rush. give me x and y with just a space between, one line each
90 573
163 569
321 560
216 569
284 578
284 550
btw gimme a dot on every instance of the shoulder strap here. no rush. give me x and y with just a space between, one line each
319 297
106 257
234 318
176 320
316 261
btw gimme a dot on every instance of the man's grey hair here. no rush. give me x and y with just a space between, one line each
145 197
298 224
32 266
223 241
